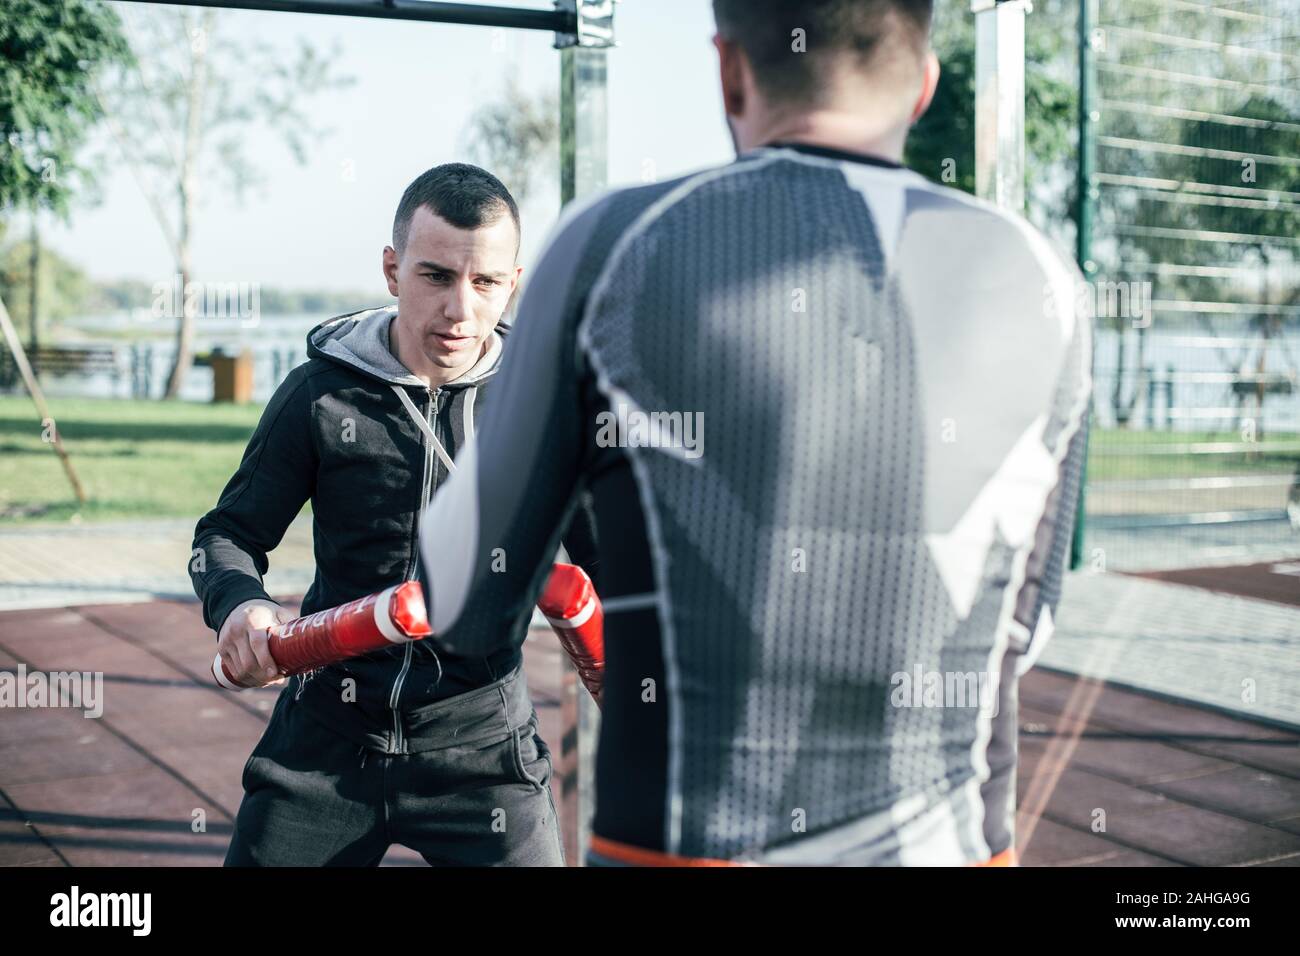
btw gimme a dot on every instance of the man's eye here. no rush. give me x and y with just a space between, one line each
488 282
436 276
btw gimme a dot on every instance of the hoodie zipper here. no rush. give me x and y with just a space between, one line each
428 481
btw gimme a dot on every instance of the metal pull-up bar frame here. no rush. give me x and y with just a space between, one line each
575 22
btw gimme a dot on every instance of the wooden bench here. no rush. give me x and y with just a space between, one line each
60 360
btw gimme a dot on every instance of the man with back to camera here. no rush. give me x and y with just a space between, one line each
414 745
887 384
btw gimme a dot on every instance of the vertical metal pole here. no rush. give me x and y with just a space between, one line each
1086 187
584 126
1000 101
1088 116
584 169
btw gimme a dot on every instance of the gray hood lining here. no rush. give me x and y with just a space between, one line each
360 340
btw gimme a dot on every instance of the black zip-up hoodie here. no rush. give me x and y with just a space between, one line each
337 434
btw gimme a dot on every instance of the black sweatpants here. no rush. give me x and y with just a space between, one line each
475 790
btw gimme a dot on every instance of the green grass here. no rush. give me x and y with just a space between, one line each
135 459
1120 454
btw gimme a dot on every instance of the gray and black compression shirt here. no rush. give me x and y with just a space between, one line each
829 418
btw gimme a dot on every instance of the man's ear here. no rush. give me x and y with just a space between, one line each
390 269
512 303
929 83
731 72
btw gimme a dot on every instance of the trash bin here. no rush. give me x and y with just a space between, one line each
232 376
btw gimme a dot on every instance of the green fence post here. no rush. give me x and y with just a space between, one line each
1087 195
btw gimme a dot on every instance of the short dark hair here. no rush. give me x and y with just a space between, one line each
466 196
764 29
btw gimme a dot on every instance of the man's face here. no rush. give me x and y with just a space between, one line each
452 286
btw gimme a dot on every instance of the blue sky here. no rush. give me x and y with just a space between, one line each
417 85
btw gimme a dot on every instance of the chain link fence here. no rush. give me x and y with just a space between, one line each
1193 258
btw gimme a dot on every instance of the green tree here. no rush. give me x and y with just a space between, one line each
50 54
63 288
942 145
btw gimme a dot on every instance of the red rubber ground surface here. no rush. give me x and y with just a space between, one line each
1178 784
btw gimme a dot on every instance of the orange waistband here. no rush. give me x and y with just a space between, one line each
640 856
1006 858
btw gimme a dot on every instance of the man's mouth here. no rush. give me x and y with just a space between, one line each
454 343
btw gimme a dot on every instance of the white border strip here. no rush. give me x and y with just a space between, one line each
425 427
384 617
219 673
579 619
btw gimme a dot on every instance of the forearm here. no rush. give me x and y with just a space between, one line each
581 540
225 574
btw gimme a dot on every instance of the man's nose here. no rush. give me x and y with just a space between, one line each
457 306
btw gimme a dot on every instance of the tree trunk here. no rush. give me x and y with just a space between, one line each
188 188
33 293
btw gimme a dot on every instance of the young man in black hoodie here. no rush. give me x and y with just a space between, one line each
407 745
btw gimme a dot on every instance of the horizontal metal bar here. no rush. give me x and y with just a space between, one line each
1192 271
1177 112
1192 414
1140 145
1282 479
1195 235
1192 186
1199 235
1222 378
468 14
1222 12
1114 522
1194 79
1193 43
1214 341
1219 202
1102 450
1215 189
1223 308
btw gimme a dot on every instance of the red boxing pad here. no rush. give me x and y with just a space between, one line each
573 609
393 616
